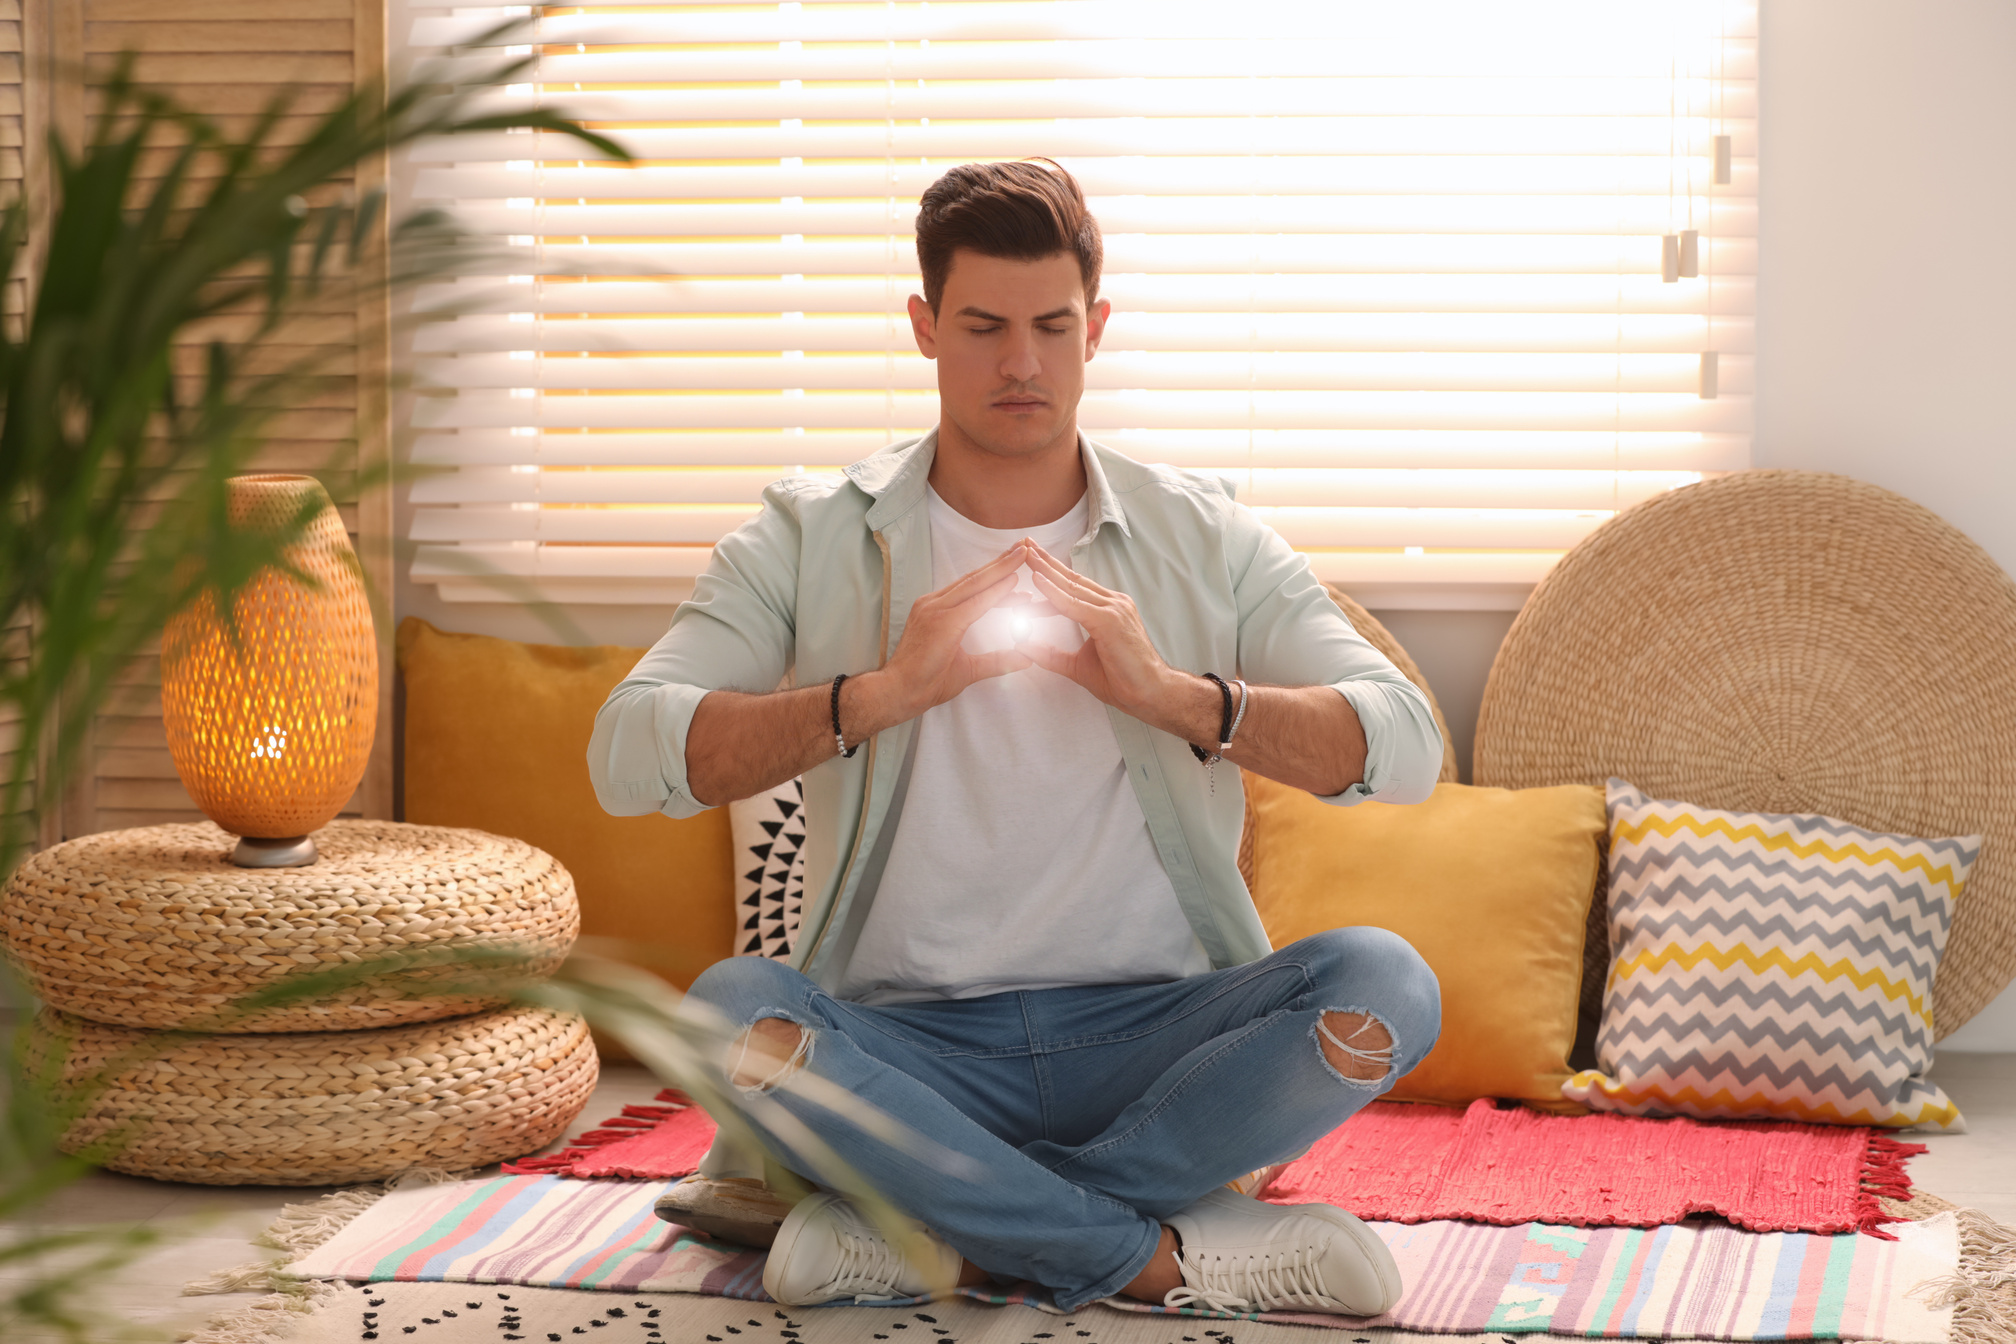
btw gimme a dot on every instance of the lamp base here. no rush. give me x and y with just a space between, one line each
295 851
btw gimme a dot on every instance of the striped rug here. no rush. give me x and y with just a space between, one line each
1694 1279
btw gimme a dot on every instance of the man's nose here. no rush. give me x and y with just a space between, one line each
1019 360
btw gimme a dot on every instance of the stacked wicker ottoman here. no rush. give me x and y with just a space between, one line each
127 934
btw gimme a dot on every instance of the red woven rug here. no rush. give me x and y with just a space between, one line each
645 1143
1416 1164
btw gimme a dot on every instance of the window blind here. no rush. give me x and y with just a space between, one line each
1438 287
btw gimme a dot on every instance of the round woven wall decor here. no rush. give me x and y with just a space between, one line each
328 1107
154 927
1783 641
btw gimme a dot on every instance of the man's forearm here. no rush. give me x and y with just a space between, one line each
738 744
1307 737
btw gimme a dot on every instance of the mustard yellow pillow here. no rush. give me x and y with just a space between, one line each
497 739
1491 886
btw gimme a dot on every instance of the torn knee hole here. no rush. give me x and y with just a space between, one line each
1356 1045
769 1052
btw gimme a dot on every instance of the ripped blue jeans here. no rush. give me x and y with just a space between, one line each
1060 1127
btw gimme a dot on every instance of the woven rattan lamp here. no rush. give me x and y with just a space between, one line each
270 725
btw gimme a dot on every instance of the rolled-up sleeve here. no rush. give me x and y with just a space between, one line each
1292 634
736 633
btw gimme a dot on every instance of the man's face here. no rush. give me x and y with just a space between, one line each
1011 339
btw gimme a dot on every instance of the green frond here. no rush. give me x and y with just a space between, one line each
114 476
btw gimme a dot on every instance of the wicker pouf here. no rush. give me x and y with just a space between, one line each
326 1108
153 927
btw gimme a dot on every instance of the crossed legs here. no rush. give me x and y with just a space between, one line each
1227 1072
1357 1045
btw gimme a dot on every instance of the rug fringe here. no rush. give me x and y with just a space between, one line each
266 1319
300 1228
1883 1177
628 1125
1982 1292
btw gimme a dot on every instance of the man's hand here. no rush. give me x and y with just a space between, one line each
1308 737
1117 661
930 665
739 745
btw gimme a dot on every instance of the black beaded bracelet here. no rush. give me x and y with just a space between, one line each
839 739
1224 721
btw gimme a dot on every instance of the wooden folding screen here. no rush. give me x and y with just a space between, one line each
12 639
226 58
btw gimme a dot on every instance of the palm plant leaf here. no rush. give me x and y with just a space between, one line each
115 456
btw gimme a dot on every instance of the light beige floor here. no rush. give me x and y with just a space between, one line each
1977 1168
206 1228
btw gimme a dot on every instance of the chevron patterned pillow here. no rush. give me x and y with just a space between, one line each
768 832
1771 966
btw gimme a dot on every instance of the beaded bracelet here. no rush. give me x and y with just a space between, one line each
839 739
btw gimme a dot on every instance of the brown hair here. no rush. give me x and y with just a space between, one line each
1022 211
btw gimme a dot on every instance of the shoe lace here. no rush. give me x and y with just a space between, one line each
867 1262
1256 1281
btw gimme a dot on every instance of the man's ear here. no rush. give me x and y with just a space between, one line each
1095 326
924 326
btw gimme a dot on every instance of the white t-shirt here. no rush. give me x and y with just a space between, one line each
1021 859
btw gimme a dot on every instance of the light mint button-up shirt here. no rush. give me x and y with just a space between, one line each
821 582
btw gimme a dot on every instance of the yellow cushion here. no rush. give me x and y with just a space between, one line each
497 739
1491 886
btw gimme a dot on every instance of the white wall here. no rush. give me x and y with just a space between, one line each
1888 292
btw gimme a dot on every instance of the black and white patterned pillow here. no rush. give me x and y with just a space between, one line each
769 836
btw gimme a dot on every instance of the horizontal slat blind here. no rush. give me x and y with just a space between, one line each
1394 271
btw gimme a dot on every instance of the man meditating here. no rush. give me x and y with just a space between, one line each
1025 675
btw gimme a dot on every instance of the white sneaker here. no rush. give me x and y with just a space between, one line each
825 1250
1239 1254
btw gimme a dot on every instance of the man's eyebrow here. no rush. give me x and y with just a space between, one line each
985 316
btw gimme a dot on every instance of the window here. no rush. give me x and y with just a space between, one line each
1438 286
